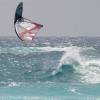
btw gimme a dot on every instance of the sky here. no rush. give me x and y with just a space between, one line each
59 17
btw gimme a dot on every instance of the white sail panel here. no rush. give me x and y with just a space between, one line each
26 30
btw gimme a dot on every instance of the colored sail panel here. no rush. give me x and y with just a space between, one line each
18 12
25 29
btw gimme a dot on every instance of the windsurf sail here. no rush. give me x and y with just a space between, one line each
25 29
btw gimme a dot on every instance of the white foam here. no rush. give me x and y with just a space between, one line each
13 84
27 50
71 54
22 50
89 70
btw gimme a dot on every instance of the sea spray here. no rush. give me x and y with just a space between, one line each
28 68
88 70
71 56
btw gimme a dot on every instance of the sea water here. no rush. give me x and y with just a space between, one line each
50 68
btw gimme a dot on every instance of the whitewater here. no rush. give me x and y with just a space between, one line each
58 68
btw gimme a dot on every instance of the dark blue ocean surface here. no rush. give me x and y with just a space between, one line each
50 68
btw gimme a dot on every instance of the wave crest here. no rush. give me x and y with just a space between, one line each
88 70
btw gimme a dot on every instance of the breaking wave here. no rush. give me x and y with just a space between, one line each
27 50
87 68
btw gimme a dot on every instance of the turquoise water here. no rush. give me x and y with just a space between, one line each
50 69
50 91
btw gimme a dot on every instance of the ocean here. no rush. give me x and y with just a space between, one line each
50 68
